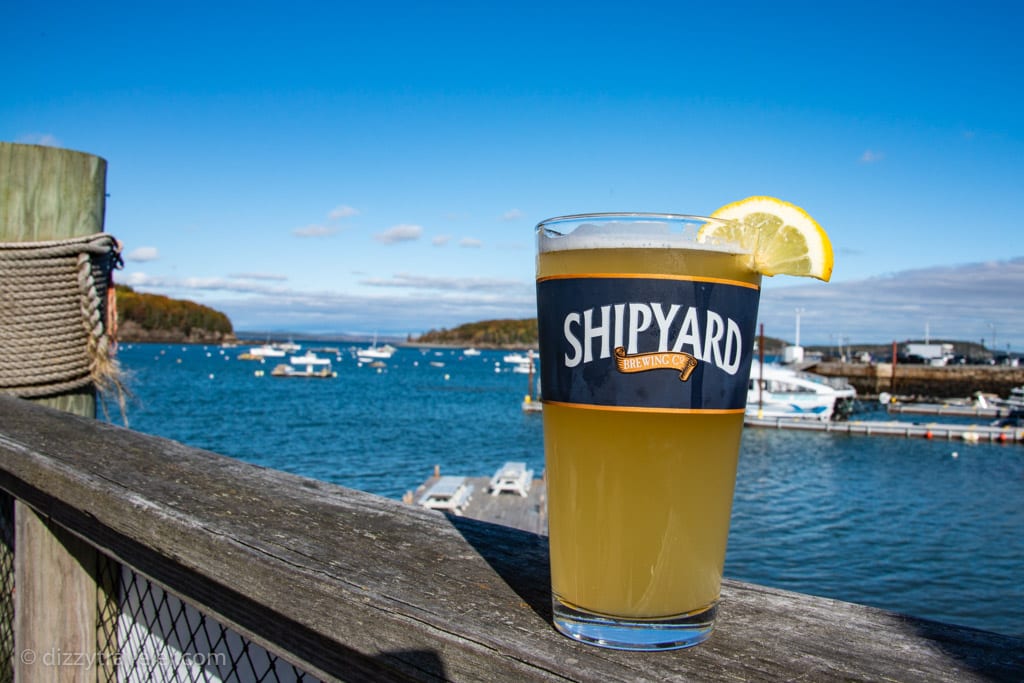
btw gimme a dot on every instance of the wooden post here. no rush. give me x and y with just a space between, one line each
892 379
760 379
48 193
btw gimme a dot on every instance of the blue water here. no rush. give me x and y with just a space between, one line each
897 523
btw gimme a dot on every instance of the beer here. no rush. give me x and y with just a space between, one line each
638 510
640 488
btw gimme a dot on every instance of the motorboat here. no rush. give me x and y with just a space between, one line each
308 365
471 352
267 351
1015 401
793 394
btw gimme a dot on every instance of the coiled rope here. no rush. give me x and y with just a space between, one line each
58 316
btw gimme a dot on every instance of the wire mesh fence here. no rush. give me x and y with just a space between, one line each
145 633
6 587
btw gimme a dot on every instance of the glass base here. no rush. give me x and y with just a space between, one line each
668 633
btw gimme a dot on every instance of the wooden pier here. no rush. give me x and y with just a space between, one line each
507 509
934 430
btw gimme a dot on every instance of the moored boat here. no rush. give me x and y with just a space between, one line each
262 352
308 365
374 352
784 392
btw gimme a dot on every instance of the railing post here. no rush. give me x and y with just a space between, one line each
48 193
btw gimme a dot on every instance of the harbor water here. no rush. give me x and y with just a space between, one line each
931 528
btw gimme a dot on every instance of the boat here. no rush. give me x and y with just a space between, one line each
1015 401
471 352
523 365
793 394
374 352
263 352
308 365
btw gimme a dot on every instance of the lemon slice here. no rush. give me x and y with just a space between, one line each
782 238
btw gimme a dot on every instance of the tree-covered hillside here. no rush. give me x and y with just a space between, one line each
153 317
486 334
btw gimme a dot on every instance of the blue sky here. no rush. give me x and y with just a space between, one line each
362 167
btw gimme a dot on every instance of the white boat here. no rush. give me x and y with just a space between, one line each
1015 401
308 365
471 352
374 352
516 358
267 351
792 394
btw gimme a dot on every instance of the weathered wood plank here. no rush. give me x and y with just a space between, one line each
351 585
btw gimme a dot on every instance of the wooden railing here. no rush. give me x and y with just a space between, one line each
351 586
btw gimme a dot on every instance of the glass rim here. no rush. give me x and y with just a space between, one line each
610 215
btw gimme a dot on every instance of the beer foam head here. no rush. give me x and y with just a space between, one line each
625 231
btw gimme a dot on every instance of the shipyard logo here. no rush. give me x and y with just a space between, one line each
645 343
685 335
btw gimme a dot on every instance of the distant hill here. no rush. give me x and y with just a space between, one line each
520 334
504 334
156 318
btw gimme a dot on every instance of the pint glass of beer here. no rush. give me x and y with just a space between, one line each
646 342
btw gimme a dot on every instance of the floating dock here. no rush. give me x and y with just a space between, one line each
509 509
934 430
952 410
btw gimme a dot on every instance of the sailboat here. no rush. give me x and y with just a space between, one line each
375 352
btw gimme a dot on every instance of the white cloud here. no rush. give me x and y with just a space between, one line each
957 302
258 276
45 139
342 211
871 156
470 242
404 232
135 279
199 284
142 254
453 284
441 240
315 230
405 303
512 215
